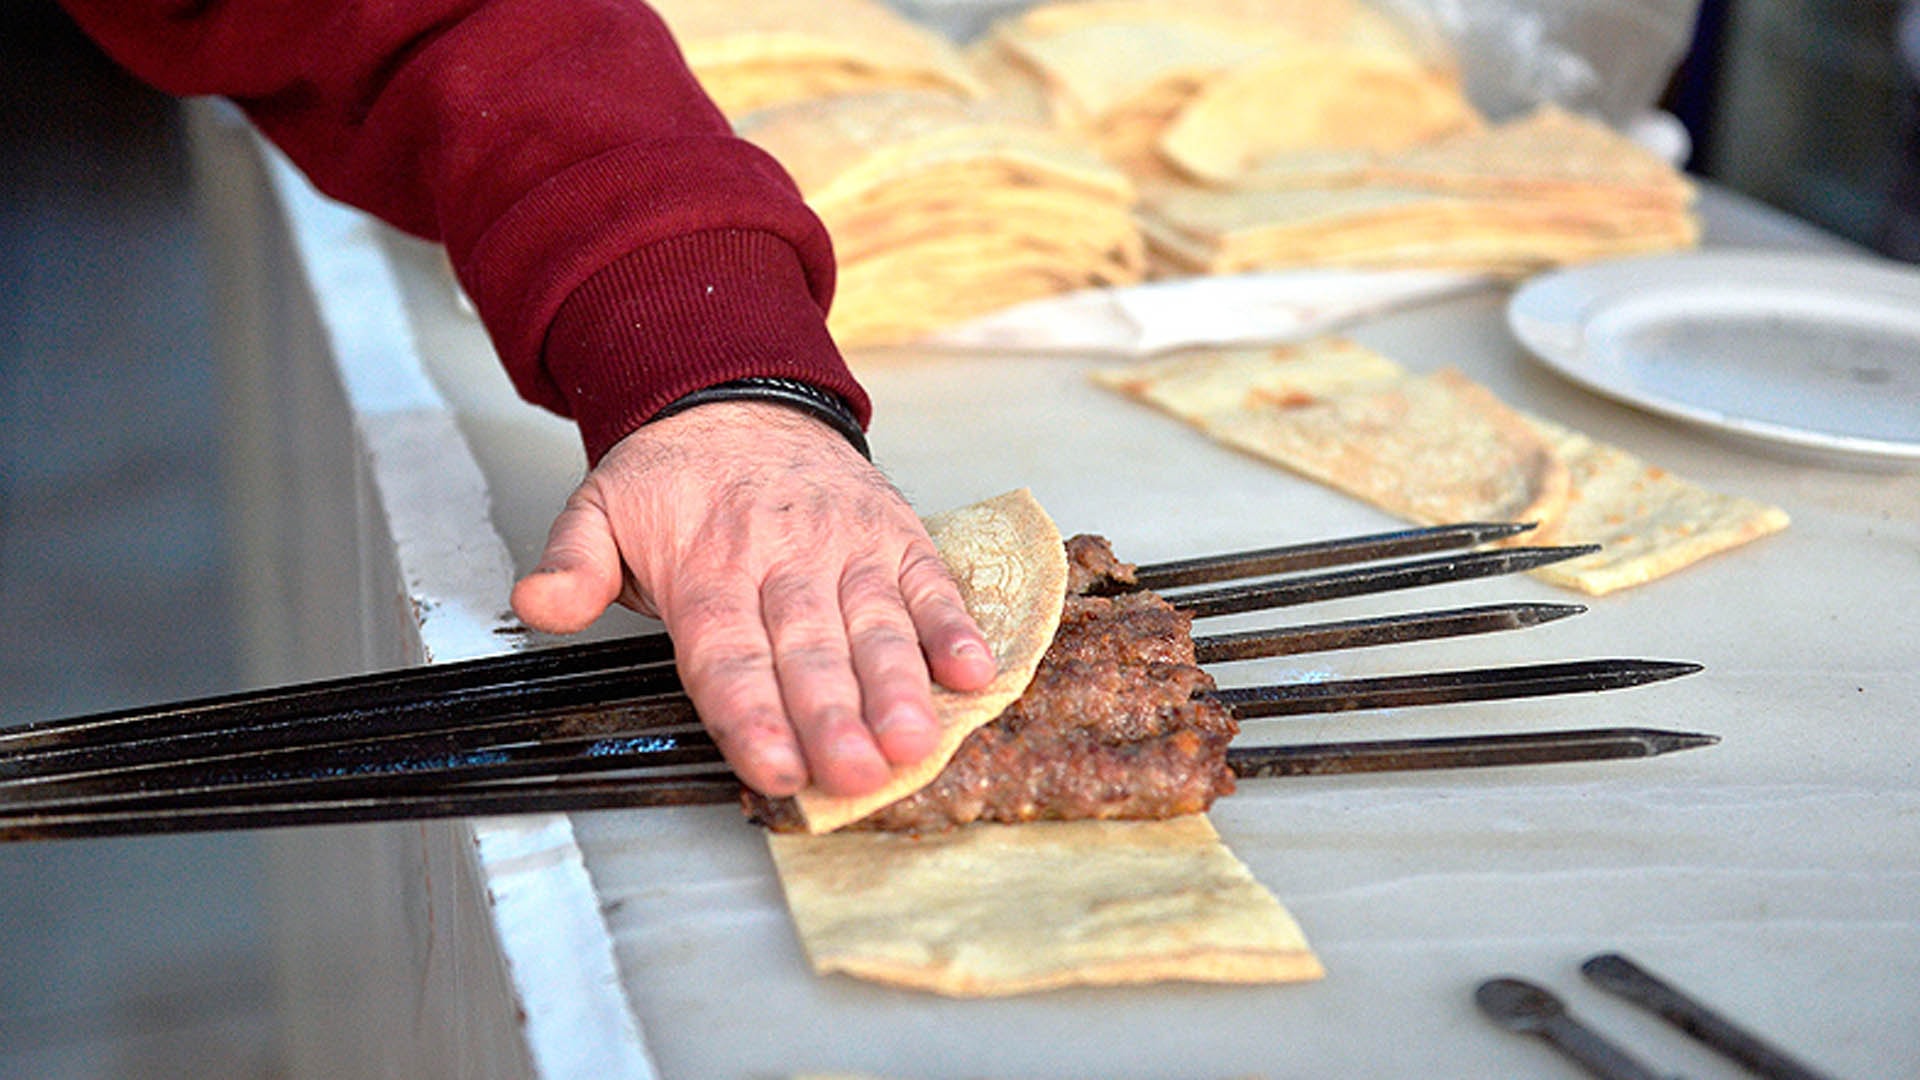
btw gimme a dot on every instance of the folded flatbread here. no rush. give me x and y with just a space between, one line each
1011 565
991 910
1118 73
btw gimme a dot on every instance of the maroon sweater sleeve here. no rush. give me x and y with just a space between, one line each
622 246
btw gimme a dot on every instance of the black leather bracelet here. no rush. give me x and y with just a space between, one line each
823 405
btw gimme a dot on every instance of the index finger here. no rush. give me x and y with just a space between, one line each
957 652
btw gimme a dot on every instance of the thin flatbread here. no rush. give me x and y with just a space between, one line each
1224 231
1647 521
1011 565
1440 448
839 150
1314 100
942 210
1435 449
993 910
1549 153
1197 385
751 54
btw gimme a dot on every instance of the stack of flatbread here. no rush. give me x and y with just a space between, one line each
1543 190
1439 448
988 910
1149 83
750 54
942 209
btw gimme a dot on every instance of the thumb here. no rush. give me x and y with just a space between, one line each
579 574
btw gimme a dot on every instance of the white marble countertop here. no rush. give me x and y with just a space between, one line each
1777 875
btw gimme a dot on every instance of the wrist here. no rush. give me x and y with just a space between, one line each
823 405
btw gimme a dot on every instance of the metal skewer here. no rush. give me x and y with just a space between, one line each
1368 580
496 790
637 701
1381 630
1317 555
1461 751
1446 687
376 690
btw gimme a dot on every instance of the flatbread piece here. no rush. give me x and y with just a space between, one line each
1435 448
1647 521
1011 565
991 910
1440 448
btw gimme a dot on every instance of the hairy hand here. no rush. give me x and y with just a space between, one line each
806 604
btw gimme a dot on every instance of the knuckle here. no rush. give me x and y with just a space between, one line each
794 597
828 720
924 579
868 584
716 668
701 612
883 637
812 657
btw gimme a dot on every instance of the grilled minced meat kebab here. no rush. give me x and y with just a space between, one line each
1114 725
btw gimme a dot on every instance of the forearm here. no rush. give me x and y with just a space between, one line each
621 245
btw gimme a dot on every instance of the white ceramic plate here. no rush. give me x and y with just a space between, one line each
1816 353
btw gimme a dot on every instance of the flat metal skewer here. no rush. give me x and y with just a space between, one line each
1460 751
1317 555
1446 687
1381 630
1371 579
658 697
374 690
558 795
504 787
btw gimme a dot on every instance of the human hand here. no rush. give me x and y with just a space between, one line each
806 604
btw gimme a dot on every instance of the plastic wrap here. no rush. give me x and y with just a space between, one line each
1610 58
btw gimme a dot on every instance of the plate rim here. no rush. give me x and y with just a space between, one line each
1557 342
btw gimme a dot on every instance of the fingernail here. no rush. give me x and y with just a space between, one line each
969 649
906 735
903 720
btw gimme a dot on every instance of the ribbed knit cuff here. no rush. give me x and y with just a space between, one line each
683 314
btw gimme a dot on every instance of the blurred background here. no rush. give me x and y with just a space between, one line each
149 958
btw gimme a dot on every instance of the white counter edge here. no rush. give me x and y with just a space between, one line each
577 1021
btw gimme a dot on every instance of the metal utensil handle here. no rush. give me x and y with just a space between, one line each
1614 972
